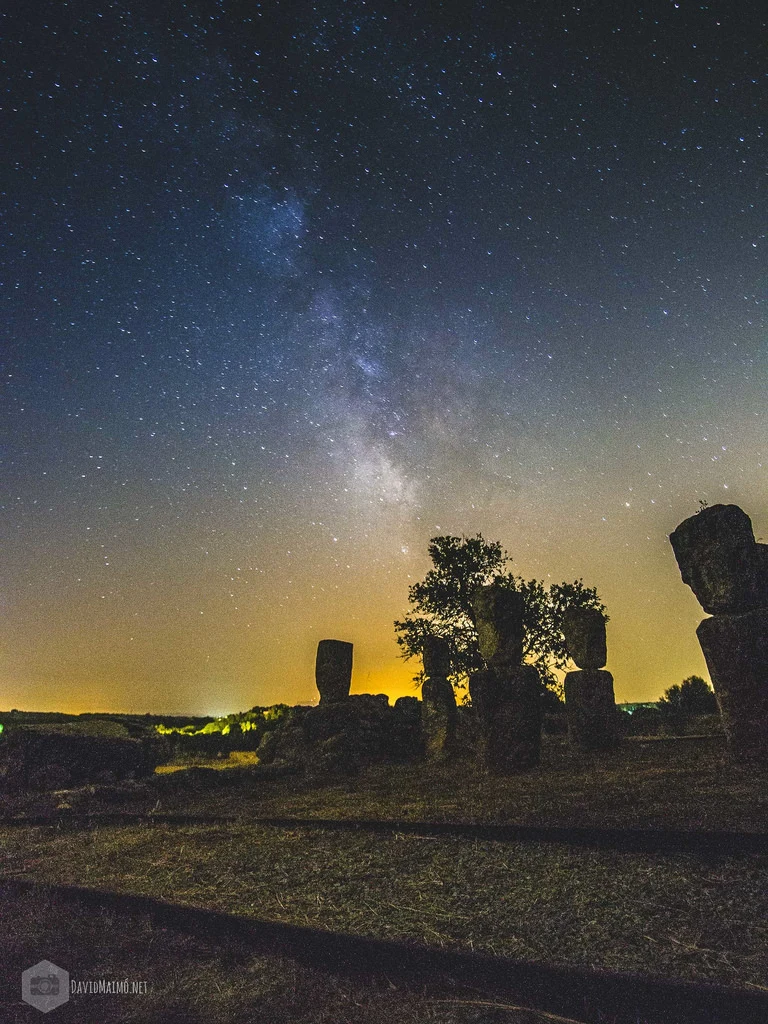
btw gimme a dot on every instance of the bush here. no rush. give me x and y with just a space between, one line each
241 731
694 696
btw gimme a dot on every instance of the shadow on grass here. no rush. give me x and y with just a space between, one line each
230 941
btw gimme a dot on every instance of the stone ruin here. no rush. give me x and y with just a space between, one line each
438 703
727 570
590 704
506 695
345 731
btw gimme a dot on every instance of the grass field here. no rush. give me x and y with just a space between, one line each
679 916
191 981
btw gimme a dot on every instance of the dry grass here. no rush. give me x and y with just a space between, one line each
674 916
673 784
670 915
237 759
190 981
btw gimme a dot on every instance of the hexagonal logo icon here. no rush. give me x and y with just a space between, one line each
45 986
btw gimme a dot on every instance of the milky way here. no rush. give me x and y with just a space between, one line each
289 288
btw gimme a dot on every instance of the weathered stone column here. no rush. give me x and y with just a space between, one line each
507 694
736 652
483 695
584 630
514 739
590 707
333 670
727 570
589 699
438 703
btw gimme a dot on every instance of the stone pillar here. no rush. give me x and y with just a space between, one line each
727 570
513 742
591 709
438 703
506 695
590 704
333 670
736 652
483 694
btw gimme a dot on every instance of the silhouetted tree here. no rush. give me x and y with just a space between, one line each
442 606
694 696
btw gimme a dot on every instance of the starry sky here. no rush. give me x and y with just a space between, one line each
290 287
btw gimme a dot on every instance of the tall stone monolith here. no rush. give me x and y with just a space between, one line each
333 670
438 703
590 704
506 695
727 570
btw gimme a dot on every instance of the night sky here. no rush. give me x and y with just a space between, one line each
289 288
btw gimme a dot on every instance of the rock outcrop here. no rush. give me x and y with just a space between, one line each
343 736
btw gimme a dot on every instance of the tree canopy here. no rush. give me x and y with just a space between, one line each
694 696
442 606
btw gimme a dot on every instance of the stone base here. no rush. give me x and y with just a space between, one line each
591 709
736 652
438 717
511 719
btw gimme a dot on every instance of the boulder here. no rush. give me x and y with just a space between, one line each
720 560
584 631
333 670
35 759
286 744
736 652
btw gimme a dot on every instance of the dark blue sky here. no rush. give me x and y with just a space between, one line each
289 288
